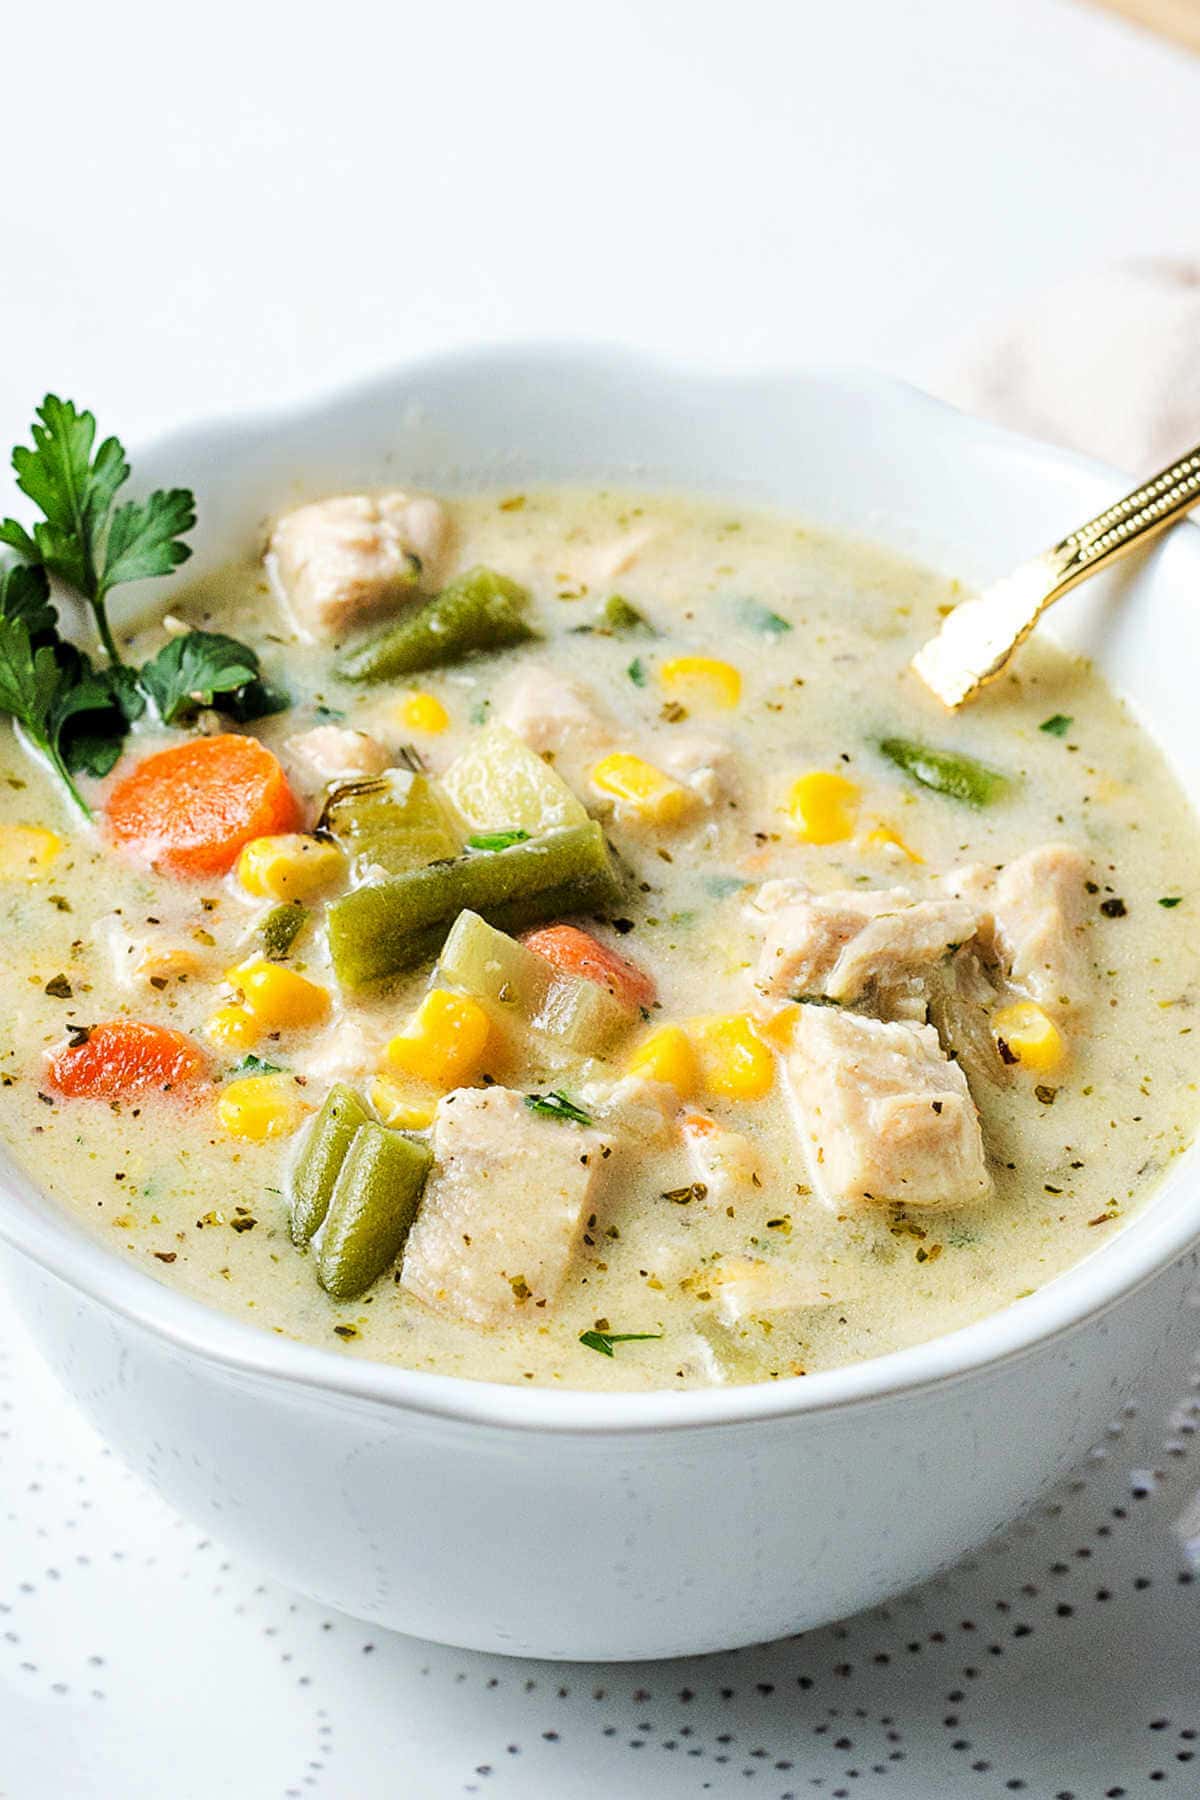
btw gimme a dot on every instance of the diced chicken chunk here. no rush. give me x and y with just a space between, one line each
347 1052
504 1208
344 559
334 753
883 1114
594 564
553 712
151 959
726 1164
747 1287
1036 923
840 946
702 760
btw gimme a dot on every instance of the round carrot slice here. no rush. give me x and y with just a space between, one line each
575 952
122 1058
191 808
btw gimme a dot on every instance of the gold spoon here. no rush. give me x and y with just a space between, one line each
978 638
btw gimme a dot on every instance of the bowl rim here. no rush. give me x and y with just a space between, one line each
1155 1237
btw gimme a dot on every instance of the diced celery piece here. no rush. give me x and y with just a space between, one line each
321 1155
511 981
499 784
386 926
395 821
374 1203
480 611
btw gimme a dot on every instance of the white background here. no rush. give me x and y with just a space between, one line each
216 208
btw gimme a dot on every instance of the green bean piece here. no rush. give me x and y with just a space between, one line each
279 928
373 1206
394 821
946 771
322 1154
387 926
480 611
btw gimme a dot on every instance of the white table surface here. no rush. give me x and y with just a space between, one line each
213 209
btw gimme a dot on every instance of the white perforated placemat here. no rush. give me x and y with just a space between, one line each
138 1660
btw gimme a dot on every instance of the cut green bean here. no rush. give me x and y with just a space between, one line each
321 1156
394 821
946 771
279 928
373 1206
478 612
387 926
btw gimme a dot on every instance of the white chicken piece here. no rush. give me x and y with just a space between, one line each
883 1114
593 565
553 712
748 1287
334 753
704 761
341 560
1036 923
346 1052
726 1164
840 946
504 1208
150 959
641 1109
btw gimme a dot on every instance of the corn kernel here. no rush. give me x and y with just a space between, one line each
641 789
397 1107
288 867
261 1106
27 852
279 998
444 1041
424 712
667 1056
882 837
1029 1034
734 1061
233 1027
701 681
822 806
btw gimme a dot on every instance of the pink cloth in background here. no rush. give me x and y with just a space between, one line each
1107 363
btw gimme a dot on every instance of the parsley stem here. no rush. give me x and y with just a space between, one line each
100 614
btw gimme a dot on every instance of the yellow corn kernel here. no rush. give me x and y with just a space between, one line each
424 712
444 1041
261 1106
701 681
641 789
399 1108
883 836
288 867
1029 1034
667 1056
27 852
822 805
233 1027
279 998
734 1061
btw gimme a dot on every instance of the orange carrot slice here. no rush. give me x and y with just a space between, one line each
575 952
122 1058
190 809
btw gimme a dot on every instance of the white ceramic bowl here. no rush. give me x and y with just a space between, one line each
587 1525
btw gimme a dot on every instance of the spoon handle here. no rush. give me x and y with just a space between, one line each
978 637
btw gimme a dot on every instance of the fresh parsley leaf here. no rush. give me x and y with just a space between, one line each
36 690
25 594
1057 725
80 538
622 618
758 617
637 672
496 840
190 671
1169 900
94 713
555 1105
257 700
255 1065
603 1341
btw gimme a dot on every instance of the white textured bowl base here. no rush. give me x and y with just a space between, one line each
559 1524
640 1547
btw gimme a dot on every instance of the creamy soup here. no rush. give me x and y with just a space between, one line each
615 971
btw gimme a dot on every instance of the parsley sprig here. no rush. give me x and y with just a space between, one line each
603 1341
76 716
